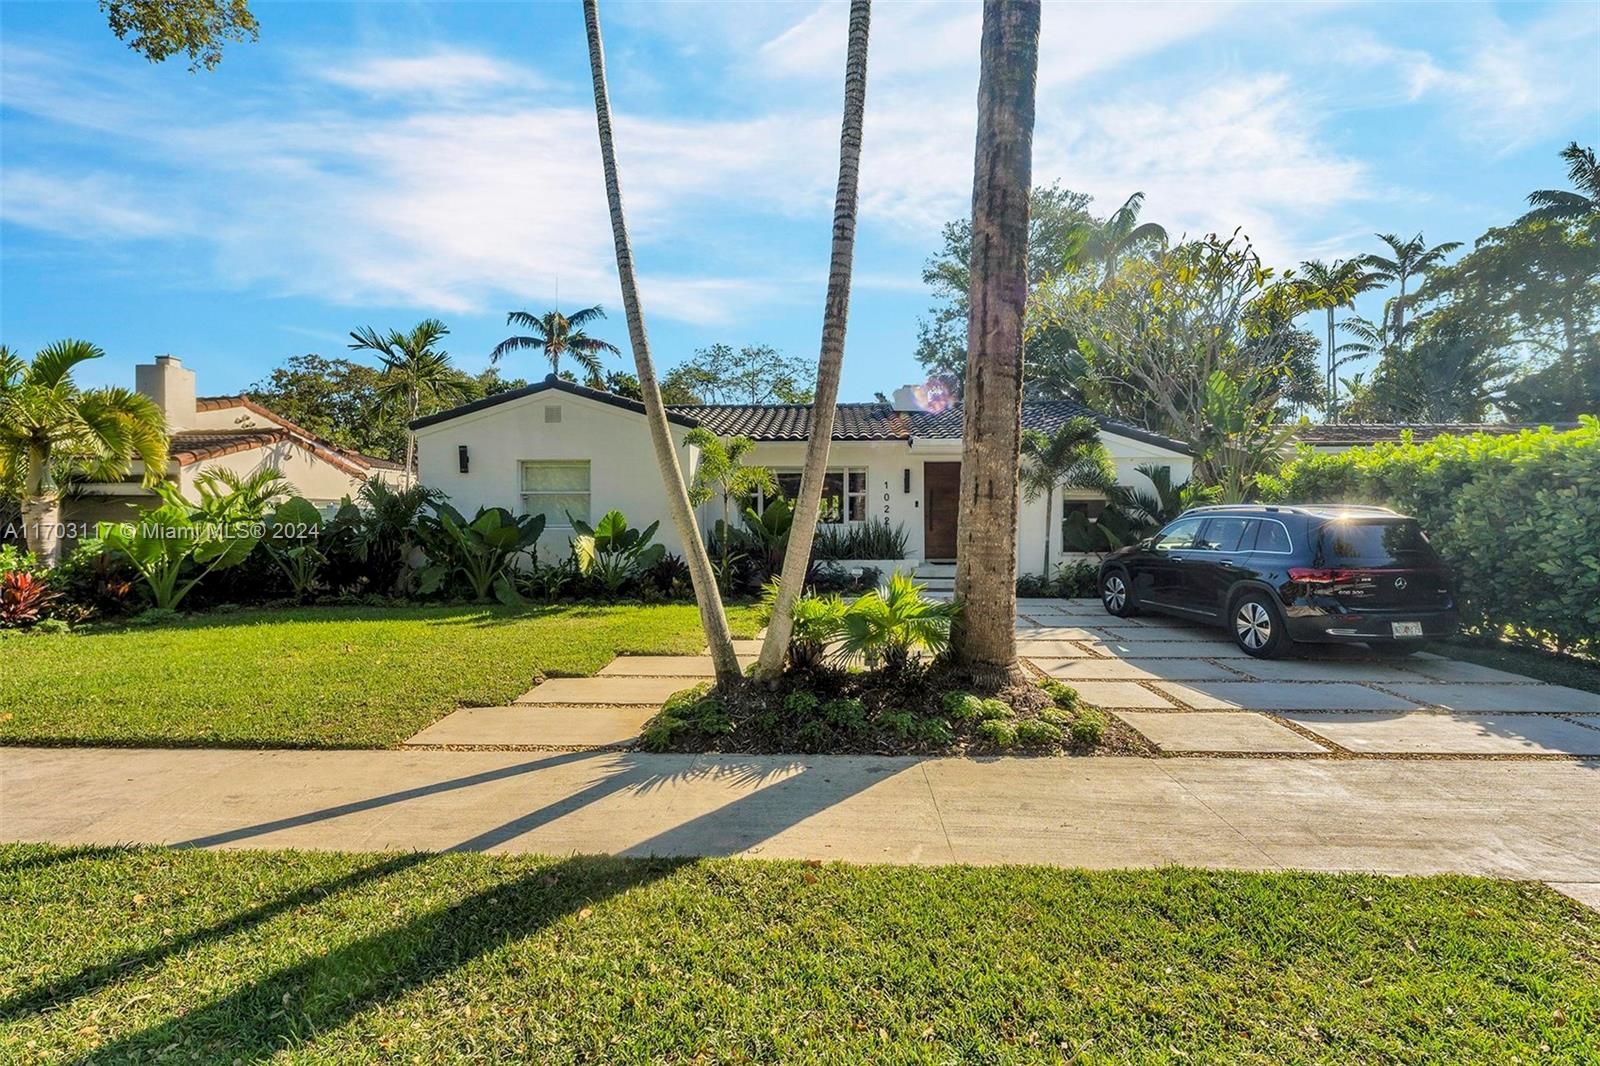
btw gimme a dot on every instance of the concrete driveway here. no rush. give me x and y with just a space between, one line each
1189 689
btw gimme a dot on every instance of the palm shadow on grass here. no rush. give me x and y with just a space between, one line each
293 1005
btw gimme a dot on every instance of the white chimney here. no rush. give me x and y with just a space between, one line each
171 387
931 395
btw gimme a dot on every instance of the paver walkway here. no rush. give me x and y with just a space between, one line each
1532 820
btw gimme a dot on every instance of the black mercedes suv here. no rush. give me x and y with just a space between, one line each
1274 576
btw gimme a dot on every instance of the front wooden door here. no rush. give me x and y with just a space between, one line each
941 501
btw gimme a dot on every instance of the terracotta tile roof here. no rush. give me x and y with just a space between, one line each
1357 433
326 449
192 446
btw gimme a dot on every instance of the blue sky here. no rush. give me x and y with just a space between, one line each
379 163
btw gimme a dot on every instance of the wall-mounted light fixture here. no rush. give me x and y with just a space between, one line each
907 489
461 456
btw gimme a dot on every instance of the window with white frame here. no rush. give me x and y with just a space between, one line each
844 494
556 488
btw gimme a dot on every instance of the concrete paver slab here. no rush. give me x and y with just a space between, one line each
1585 892
1169 649
1524 697
1132 669
1324 670
664 666
1453 734
1282 695
1218 731
1052 649
1118 694
741 646
1059 633
1528 820
606 690
1160 633
531 725
1431 667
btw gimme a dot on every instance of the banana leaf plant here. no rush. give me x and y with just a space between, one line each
613 553
177 544
766 534
293 541
483 552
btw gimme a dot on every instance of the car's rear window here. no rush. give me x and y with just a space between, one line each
1374 542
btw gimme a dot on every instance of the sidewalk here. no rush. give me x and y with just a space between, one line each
1533 820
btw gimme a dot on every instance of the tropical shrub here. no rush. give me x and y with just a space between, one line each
482 552
876 539
818 619
829 577
612 553
174 546
291 542
885 626
766 536
1089 726
383 539
23 598
1516 517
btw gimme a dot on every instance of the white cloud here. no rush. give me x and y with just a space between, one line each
92 206
444 72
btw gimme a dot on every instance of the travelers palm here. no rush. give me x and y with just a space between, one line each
1070 458
556 335
52 431
413 370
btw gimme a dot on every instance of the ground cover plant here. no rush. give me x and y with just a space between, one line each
312 676
303 957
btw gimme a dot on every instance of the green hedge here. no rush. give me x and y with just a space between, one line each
1517 517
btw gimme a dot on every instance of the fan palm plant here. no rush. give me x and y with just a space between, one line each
413 370
50 431
1072 457
1407 259
887 625
1578 204
1328 287
557 335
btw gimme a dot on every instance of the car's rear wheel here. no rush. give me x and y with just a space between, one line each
1116 594
1257 627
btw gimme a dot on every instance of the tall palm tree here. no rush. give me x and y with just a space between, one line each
1408 259
835 314
1107 242
412 371
1070 458
713 618
986 529
556 335
1327 288
1580 203
51 430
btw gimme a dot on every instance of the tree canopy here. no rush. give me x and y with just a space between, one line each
754 373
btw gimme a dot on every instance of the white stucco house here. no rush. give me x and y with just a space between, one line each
231 433
555 447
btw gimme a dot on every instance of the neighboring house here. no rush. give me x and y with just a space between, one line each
558 448
1335 437
226 433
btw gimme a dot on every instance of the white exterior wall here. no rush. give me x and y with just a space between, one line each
623 472
313 477
616 442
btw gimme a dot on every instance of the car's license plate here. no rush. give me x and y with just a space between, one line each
1406 629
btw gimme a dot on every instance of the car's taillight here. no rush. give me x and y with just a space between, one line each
1311 576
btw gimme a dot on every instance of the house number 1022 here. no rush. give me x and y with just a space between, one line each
886 499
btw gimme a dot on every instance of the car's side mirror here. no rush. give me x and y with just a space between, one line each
1147 543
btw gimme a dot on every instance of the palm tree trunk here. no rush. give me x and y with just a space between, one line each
1049 513
1333 384
986 532
831 358
41 508
411 438
712 616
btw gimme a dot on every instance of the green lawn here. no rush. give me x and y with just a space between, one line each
237 956
312 677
